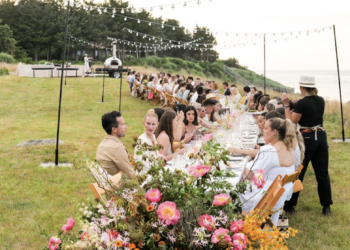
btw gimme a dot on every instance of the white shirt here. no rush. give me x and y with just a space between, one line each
145 139
194 97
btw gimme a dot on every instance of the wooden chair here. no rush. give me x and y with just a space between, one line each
290 177
98 191
171 101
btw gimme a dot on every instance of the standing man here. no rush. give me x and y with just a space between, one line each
131 80
225 87
111 151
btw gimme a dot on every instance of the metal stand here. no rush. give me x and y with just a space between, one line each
103 88
341 102
264 66
65 79
60 100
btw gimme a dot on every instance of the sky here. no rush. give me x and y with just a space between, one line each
313 52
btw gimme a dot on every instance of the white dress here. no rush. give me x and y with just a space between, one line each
267 159
145 139
87 66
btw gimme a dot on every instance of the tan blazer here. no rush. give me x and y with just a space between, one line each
114 157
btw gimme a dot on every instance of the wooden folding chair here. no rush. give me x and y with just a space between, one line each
171 102
98 191
269 200
290 177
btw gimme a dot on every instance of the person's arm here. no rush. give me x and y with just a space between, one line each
164 141
204 123
294 117
178 129
120 158
238 151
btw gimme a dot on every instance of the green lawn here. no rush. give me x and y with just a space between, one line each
31 196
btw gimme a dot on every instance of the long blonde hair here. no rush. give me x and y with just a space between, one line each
285 131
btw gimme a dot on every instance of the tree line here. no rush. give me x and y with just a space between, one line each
34 30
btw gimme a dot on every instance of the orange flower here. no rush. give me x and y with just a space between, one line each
156 237
161 243
150 208
132 246
119 243
137 249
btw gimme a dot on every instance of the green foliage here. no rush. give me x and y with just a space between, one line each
6 58
7 42
181 63
4 71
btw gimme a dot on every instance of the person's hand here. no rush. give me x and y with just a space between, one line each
180 116
250 97
285 99
180 151
234 150
257 147
199 127
187 138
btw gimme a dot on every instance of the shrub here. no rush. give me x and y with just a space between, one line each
4 71
181 63
42 62
27 60
198 68
169 66
6 58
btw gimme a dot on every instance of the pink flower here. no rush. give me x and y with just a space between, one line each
221 199
153 195
207 221
54 243
207 137
258 179
236 226
84 236
239 241
220 234
168 213
198 170
67 227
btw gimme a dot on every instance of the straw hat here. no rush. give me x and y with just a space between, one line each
212 95
307 81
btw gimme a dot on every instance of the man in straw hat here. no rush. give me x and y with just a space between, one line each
308 112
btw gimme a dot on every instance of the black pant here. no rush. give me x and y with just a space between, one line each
317 153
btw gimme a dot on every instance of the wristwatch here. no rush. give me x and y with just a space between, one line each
285 106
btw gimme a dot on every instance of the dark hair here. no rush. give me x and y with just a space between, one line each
200 90
253 88
159 112
133 72
272 114
281 111
177 76
233 85
277 98
190 78
166 125
189 108
144 78
151 79
279 103
179 81
258 101
260 92
255 97
265 98
209 103
207 91
188 86
109 121
169 75
263 114
179 107
225 83
263 103
246 89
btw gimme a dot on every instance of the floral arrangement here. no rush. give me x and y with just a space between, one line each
165 209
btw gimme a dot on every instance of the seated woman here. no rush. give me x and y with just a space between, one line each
235 95
187 91
150 123
137 87
191 123
214 87
275 158
165 135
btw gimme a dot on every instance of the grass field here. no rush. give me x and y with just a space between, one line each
33 197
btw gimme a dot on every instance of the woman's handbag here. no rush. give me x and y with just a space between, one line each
298 186
150 95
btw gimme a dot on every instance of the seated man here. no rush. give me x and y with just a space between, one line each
111 151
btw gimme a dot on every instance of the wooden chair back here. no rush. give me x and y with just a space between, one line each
99 192
270 197
290 177
300 168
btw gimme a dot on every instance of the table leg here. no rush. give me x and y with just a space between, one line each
33 73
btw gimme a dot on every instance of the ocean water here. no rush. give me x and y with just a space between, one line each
327 81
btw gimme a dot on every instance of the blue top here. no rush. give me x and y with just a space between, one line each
180 94
132 78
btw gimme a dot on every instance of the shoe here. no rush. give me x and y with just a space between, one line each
289 210
326 210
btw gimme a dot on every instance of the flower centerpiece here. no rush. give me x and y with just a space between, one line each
170 209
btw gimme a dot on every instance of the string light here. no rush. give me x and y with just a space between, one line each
199 2
122 11
173 7
125 18
173 27
149 23
185 5
138 21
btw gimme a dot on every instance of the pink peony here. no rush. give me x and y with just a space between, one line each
239 241
236 226
220 234
84 236
258 179
153 195
207 137
198 171
67 227
168 213
221 199
54 243
207 221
